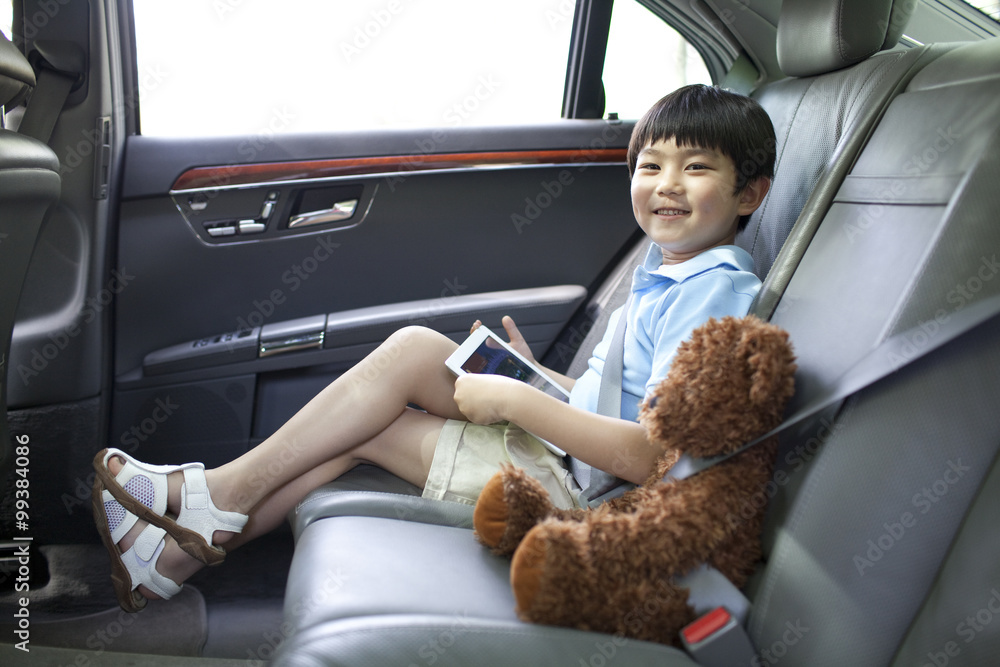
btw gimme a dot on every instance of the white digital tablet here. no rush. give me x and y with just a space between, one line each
485 352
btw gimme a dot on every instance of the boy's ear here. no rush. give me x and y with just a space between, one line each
753 194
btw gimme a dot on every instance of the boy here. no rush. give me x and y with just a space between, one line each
701 161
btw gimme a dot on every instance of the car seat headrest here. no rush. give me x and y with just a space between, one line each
819 37
16 75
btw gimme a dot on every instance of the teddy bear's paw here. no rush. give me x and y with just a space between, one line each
526 570
510 505
547 571
490 515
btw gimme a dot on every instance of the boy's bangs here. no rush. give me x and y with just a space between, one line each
705 117
688 130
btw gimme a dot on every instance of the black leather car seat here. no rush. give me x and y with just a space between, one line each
879 545
29 185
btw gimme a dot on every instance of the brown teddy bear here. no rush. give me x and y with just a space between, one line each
611 569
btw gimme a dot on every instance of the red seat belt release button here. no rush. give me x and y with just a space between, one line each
717 640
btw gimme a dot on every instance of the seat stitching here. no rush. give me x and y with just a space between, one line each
784 144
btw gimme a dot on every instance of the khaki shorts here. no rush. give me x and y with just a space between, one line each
468 455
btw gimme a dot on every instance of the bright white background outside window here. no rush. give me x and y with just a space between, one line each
645 60
241 67
6 17
245 66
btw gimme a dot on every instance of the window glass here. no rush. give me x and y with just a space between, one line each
6 17
248 66
637 39
989 7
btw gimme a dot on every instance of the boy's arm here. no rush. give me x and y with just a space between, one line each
616 446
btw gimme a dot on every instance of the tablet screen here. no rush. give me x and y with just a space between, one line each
491 357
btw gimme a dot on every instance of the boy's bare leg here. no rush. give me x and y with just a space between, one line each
361 417
350 412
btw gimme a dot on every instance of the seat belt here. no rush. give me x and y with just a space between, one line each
598 485
717 638
890 356
59 66
720 605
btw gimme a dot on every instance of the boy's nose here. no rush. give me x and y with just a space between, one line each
669 183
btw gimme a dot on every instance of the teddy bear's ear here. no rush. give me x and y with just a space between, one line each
771 363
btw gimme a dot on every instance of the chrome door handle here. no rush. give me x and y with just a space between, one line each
342 210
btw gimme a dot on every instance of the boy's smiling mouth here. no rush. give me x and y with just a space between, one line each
670 212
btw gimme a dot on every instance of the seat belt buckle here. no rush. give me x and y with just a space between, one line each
717 639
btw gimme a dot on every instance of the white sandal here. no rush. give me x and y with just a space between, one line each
141 489
137 565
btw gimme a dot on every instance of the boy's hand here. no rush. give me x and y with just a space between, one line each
516 340
485 399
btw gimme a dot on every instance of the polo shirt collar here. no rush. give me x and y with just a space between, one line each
653 270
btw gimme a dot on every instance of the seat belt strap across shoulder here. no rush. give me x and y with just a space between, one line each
59 65
609 397
890 356
717 638
46 102
596 483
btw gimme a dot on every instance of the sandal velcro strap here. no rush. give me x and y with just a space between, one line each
198 518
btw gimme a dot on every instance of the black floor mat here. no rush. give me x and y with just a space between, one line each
178 626
232 610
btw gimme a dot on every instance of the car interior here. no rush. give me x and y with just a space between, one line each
180 297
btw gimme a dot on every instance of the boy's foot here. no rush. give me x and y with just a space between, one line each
174 498
135 505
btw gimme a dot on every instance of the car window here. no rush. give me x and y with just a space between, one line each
6 17
630 85
315 65
989 7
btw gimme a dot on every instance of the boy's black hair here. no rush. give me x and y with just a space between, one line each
699 115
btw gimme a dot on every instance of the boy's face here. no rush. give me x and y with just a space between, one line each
683 198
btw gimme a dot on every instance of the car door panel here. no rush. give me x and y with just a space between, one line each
430 238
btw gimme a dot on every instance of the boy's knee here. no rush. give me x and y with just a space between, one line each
417 338
410 335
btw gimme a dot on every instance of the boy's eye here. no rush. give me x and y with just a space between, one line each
697 166
649 166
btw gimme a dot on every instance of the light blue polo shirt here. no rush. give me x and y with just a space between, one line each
668 303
